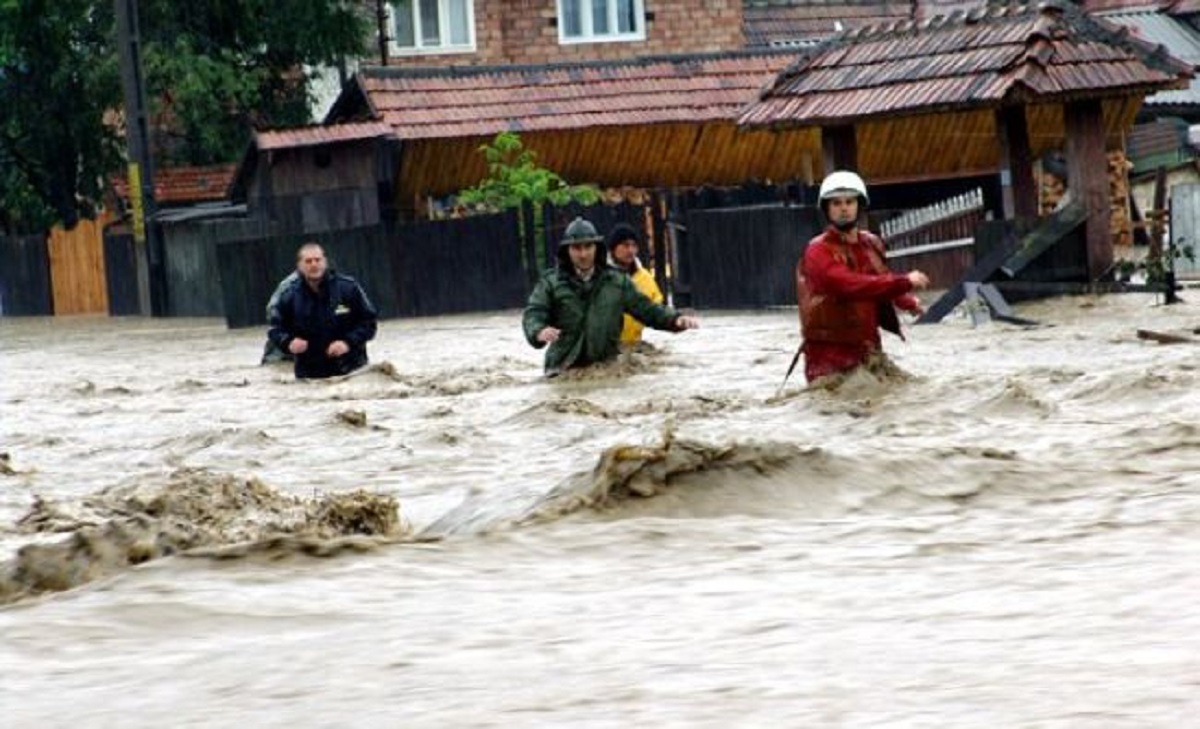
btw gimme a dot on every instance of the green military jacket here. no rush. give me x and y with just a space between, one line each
589 313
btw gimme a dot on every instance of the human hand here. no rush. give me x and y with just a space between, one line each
337 348
298 346
548 335
686 322
918 279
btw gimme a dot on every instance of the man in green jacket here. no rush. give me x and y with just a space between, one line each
577 308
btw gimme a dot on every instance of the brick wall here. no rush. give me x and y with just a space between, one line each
526 32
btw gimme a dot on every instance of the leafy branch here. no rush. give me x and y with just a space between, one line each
1156 268
515 178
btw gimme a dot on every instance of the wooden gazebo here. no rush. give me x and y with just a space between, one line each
977 92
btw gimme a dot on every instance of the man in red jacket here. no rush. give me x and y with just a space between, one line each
844 288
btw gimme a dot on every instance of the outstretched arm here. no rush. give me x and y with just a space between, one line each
653 315
829 274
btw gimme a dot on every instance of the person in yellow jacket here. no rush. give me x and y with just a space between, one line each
623 243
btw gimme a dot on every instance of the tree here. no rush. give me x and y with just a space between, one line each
58 76
212 68
515 179
219 67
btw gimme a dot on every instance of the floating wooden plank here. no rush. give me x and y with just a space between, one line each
979 272
1039 240
1001 311
1166 337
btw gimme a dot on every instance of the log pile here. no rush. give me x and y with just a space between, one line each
1121 222
1052 188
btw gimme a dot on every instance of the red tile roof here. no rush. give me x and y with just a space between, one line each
316 135
963 61
467 102
184 185
799 22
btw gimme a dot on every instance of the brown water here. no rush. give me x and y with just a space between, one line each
1011 537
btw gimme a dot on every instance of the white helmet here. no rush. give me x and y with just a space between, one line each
844 183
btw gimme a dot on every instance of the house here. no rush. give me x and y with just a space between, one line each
664 121
176 187
318 178
503 32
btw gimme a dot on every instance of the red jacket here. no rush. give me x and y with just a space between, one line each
845 293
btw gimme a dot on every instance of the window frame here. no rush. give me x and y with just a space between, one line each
585 15
419 49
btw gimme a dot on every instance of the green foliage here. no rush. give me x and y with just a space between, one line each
514 178
1156 267
215 68
212 69
57 79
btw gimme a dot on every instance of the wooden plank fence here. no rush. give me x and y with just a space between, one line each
422 269
25 276
938 239
77 268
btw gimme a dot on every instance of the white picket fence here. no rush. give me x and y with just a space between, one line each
898 231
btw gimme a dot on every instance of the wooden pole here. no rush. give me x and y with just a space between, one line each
152 294
1087 180
1018 190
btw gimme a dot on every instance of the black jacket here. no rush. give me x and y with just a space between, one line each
340 309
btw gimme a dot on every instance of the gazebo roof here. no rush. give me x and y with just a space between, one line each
985 58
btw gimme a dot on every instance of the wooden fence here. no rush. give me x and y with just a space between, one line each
708 247
77 271
25 276
746 257
422 269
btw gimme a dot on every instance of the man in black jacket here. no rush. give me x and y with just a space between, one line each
324 319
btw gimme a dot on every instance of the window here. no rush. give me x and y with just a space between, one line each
584 21
432 26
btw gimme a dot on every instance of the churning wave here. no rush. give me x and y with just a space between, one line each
200 513
193 512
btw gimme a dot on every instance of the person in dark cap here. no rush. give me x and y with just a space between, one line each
623 242
577 307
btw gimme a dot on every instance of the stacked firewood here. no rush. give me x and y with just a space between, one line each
626 194
1051 189
1120 221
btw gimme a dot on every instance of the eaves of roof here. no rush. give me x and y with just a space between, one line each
311 136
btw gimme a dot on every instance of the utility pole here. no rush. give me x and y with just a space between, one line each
381 18
147 243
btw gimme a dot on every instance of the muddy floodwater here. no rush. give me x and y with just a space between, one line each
1008 537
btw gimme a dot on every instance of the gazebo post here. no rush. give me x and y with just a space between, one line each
1087 173
1017 186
